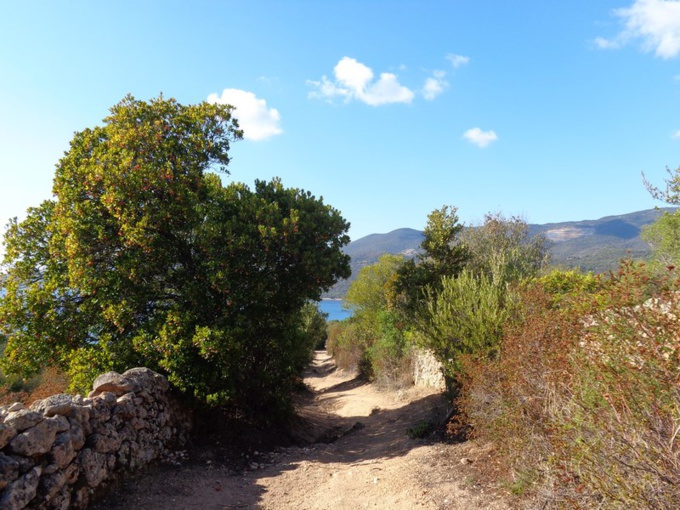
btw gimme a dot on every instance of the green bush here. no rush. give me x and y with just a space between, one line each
314 326
466 317
389 354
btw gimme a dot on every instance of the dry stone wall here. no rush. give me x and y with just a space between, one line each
65 449
427 371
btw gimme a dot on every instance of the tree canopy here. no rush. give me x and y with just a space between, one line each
502 249
144 257
442 254
662 236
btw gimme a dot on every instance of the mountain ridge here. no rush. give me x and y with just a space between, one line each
591 245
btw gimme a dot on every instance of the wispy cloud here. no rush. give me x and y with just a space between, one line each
355 81
255 118
480 138
457 60
434 85
676 135
656 23
607 44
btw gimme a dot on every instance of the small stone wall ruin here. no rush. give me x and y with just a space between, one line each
427 371
63 450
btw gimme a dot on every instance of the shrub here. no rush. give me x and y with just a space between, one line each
389 354
466 317
583 400
345 347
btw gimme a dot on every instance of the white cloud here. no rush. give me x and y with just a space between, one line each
655 22
676 135
434 85
355 81
457 60
606 44
480 138
257 121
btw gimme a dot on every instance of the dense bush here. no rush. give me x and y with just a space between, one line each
345 345
389 355
583 399
145 258
466 316
314 326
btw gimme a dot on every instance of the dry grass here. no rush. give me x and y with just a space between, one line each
50 381
586 413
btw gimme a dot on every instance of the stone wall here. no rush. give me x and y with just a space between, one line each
427 371
63 450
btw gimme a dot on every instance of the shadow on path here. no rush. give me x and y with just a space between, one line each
212 480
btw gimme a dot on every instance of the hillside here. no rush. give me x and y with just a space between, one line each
367 251
592 245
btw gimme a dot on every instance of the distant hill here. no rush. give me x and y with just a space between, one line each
367 251
592 245
599 245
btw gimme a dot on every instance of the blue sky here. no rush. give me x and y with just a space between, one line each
387 109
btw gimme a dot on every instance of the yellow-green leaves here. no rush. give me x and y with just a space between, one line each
145 258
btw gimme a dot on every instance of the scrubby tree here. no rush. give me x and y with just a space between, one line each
671 192
664 238
664 234
465 317
442 255
144 257
470 296
503 249
367 295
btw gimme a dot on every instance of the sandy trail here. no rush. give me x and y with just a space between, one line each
366 460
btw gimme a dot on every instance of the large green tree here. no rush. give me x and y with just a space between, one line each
145 258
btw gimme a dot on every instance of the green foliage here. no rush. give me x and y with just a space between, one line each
464 279
389 351
377 343
466 317
369 291
86 364
145 258
347 347
421 429
441 255
314 326
664 237
502 249
562 284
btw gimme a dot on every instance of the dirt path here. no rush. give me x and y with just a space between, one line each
367 460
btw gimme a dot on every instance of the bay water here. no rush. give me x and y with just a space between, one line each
334 309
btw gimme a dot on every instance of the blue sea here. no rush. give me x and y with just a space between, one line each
334 309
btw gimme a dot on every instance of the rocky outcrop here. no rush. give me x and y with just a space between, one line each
64 449
427 371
